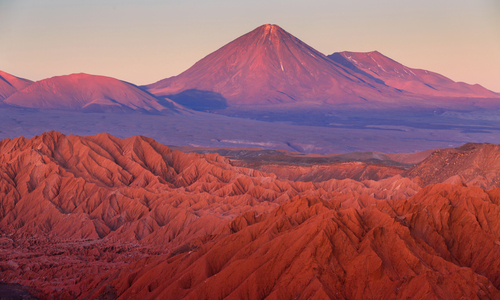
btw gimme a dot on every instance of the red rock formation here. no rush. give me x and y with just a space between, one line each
83 92
440 244
96 217
10 84
410 158
416 81
317 173
471 164
101 183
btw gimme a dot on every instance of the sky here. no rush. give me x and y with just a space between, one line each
144 41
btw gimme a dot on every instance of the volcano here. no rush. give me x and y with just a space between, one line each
88 93
270 66
10 84
416 81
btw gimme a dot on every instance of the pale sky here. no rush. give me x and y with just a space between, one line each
145 41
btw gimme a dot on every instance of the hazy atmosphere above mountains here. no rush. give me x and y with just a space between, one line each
143 42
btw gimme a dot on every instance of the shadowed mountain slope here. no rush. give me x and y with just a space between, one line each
90 93
10 84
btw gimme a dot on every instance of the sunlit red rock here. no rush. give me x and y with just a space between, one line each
435 245
98 216
472 164
317 173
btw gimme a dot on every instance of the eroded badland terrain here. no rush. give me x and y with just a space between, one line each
99 217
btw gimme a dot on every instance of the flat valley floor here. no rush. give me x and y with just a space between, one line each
310 132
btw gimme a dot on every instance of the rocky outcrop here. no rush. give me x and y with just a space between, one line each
440 244
471 164
98 216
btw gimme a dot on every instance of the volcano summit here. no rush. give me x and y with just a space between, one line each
270 67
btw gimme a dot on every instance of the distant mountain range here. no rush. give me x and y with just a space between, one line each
416 81
265 67
88 93
10 84
269 66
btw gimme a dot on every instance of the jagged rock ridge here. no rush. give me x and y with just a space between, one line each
158 223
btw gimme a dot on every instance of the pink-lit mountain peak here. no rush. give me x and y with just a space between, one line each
271 33
16 82
268 66
275 37
268 48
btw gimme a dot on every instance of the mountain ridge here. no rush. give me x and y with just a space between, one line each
98 216
266 67
89 93
412 80
270 66
9 84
